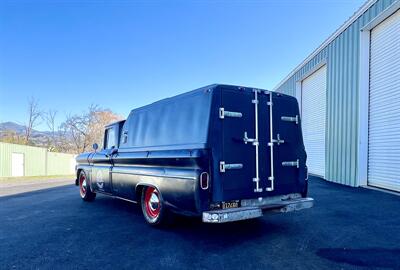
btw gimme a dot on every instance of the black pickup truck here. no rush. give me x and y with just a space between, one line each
221 152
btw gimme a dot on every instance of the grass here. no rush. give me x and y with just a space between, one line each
34 178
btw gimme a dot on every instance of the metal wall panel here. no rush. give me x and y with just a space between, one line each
60 164
34 159
342 59
37 161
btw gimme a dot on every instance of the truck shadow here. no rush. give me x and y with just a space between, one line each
224 234
192 229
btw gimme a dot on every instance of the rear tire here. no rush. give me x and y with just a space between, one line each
84 188
153 207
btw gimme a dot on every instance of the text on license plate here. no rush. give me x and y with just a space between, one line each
226 205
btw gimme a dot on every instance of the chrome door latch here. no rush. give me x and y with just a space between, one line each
246 139
278 140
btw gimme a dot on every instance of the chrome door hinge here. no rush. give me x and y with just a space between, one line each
223 114
291 163
233 166
291 119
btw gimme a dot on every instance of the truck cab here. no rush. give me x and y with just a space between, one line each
102 161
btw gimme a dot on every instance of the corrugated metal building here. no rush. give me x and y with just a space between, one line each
23 160
349 93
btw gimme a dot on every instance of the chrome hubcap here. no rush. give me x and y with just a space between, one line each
154 202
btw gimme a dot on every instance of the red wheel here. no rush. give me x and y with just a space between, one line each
152 203
153 207
82 185
84 188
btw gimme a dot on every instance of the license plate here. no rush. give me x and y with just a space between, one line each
226 205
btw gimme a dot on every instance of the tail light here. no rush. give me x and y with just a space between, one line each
204 180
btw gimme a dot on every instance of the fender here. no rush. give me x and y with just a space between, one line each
88 171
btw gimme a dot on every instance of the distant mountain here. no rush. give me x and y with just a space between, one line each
11 126
20 129
39 138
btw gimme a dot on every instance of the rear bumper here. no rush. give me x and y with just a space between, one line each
249 212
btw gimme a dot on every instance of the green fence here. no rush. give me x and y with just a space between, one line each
22 160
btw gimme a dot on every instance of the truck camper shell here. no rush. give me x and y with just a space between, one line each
216 118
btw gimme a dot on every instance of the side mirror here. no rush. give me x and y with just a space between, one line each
95 146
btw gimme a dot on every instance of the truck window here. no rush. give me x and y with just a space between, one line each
110 138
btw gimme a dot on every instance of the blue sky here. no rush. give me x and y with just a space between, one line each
125 54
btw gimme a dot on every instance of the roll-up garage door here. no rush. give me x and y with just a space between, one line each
384 105
313 113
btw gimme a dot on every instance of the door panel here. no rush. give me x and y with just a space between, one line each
239 183
313 91
288 149
287 128
384 98
101 172
17 164
124 174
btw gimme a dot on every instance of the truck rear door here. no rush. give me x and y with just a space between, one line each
262 147
289 153
240 168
